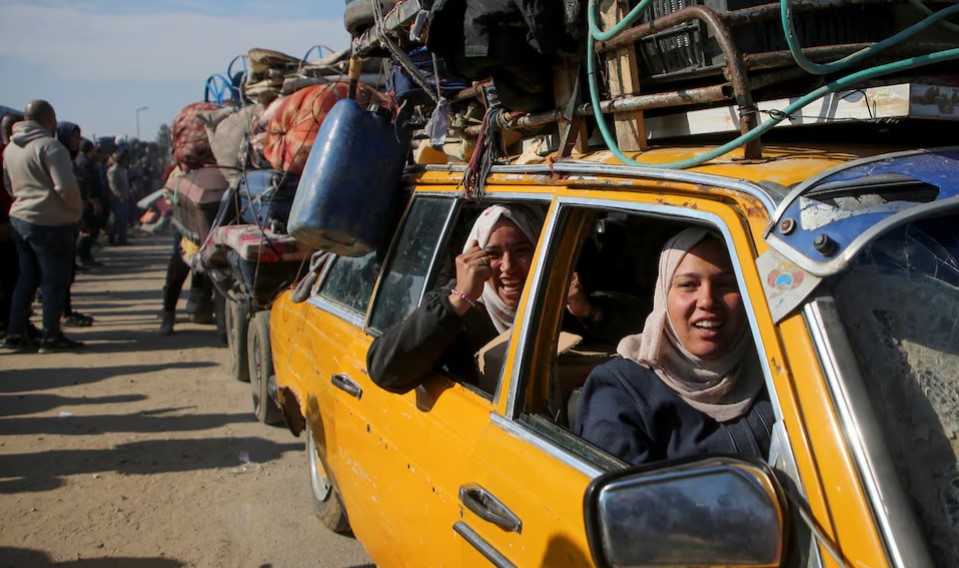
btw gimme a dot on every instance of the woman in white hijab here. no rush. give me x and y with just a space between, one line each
456 320
691 383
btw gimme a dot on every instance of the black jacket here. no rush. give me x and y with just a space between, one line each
432 338
88 177
629 412
513 41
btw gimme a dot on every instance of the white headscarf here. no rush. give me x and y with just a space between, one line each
722 388
501 314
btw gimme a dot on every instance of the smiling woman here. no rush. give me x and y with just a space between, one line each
691 383
457 319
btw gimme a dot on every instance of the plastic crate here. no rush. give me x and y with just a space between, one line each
691 49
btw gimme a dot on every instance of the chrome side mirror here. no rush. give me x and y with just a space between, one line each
724 511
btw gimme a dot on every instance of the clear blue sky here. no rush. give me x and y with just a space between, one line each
97 61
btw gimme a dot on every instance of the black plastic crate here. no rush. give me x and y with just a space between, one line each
691 49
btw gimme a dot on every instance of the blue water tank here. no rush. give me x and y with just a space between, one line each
350 185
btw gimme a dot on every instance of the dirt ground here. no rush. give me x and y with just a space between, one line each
141 451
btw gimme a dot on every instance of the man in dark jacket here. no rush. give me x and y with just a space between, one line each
8 249
38 171
88 176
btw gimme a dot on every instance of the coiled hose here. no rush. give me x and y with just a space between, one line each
838 84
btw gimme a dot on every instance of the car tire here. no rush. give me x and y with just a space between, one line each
237 328
326 501
358 16
219 308
260 359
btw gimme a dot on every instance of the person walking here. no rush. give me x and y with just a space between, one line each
118 178
46 208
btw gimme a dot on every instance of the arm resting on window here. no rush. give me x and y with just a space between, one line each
402 358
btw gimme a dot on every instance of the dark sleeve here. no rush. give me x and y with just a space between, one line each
93 179
610 415
401 358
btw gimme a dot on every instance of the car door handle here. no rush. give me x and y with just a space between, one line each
489 508
343 382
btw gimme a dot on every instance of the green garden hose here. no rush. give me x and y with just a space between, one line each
838 84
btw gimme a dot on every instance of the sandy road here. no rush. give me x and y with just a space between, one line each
141 451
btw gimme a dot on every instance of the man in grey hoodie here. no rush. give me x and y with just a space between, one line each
38 172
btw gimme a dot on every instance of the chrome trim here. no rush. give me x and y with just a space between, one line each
439 246
332 308
810 183
391 252
572 167
546 237
782 459
841 261
484 548
890 507
528 436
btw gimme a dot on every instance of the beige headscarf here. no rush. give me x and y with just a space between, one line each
722 388
501 314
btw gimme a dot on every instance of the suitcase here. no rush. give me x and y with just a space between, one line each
196 197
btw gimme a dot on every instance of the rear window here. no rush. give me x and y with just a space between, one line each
900 306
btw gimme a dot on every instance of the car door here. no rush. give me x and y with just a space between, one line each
523 492
423 441
385 485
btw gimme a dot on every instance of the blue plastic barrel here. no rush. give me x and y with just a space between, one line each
350 184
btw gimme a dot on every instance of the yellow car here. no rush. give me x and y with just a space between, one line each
847 264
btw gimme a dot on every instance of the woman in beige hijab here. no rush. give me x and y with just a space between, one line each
691 383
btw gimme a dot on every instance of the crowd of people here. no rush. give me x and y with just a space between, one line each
61 192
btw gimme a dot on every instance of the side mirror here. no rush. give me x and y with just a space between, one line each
725 511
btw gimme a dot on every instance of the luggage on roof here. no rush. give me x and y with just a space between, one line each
191 145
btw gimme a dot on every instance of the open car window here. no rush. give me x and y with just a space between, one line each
614 256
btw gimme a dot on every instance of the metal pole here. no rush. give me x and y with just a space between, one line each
138 119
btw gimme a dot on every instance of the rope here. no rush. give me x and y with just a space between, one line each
483 158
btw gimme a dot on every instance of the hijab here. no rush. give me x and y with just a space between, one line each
501 314
722 388
65 132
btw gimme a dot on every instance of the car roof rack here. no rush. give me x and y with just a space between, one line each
746 92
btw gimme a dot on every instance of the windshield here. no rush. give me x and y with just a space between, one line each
899 303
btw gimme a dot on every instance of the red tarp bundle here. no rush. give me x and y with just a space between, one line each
191 145
294 125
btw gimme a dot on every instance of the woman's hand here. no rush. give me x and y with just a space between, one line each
472 272
576 301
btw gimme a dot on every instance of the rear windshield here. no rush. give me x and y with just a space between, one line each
900 305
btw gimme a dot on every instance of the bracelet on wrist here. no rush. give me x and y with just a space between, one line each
465 298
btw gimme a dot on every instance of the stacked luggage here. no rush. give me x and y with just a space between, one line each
239 170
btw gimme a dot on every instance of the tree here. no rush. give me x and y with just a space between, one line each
164 141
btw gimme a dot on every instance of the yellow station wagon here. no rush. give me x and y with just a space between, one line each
846 259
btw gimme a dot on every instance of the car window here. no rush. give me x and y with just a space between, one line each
413 251
350 281
899 304
594 298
